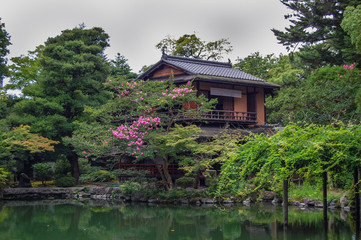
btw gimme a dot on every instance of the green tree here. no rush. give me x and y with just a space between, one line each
25 70
351 23
73 70
189 45
4 43
138 109
119 66
315 28
43 172
306 151
257 65
19 146
329 94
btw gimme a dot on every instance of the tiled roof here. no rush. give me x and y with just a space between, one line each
198 66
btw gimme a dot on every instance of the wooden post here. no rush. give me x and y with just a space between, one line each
357 196
324 193
285 202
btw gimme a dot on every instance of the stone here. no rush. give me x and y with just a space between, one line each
309 202
24 181
302 205
333 204
36 193
195 201
247 201
277 200
343 201
100 191
268 195
347 209
184 201
318 204
138 196
208 201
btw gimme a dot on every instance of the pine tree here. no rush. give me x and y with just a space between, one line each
315 28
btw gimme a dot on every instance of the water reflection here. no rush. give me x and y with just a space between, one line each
104 220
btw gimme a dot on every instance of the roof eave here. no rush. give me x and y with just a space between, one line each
238 81
157 65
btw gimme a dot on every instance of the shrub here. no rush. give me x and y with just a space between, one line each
4 177
84 166
43 172
62 166
128 187
184 182
65 181
97 176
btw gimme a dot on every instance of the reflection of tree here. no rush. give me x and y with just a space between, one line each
180 223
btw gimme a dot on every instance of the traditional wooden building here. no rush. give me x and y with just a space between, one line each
240 95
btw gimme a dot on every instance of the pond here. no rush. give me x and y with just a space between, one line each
111 220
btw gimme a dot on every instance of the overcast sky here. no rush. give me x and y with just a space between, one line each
136 26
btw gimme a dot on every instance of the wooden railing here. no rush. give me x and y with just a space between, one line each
215 116
152 170
225 115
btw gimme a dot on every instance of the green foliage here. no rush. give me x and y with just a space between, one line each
25 70
4 177
302 151
84 166
4 44
19 145
129 186
136 175
65 181
329 94
315 28
351 23
97 176
189 45
61 166
120 67
185 182
299 192
257 65
43 171
73 68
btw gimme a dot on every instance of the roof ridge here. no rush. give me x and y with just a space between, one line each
196 60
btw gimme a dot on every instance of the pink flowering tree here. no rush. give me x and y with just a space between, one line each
146 109
139 111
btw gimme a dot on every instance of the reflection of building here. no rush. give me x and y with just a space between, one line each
240 95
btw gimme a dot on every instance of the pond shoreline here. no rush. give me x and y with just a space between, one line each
115 193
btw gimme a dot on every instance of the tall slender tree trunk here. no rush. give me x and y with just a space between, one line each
73 160
161 172
324 193
285 202
357 195
166 173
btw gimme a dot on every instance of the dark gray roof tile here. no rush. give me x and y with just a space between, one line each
198 66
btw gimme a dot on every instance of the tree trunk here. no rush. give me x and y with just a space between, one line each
164 180
324 193
285 202
166 173
73 160
197 179
357 194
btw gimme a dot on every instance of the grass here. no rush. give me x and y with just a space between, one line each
46 184
299 192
